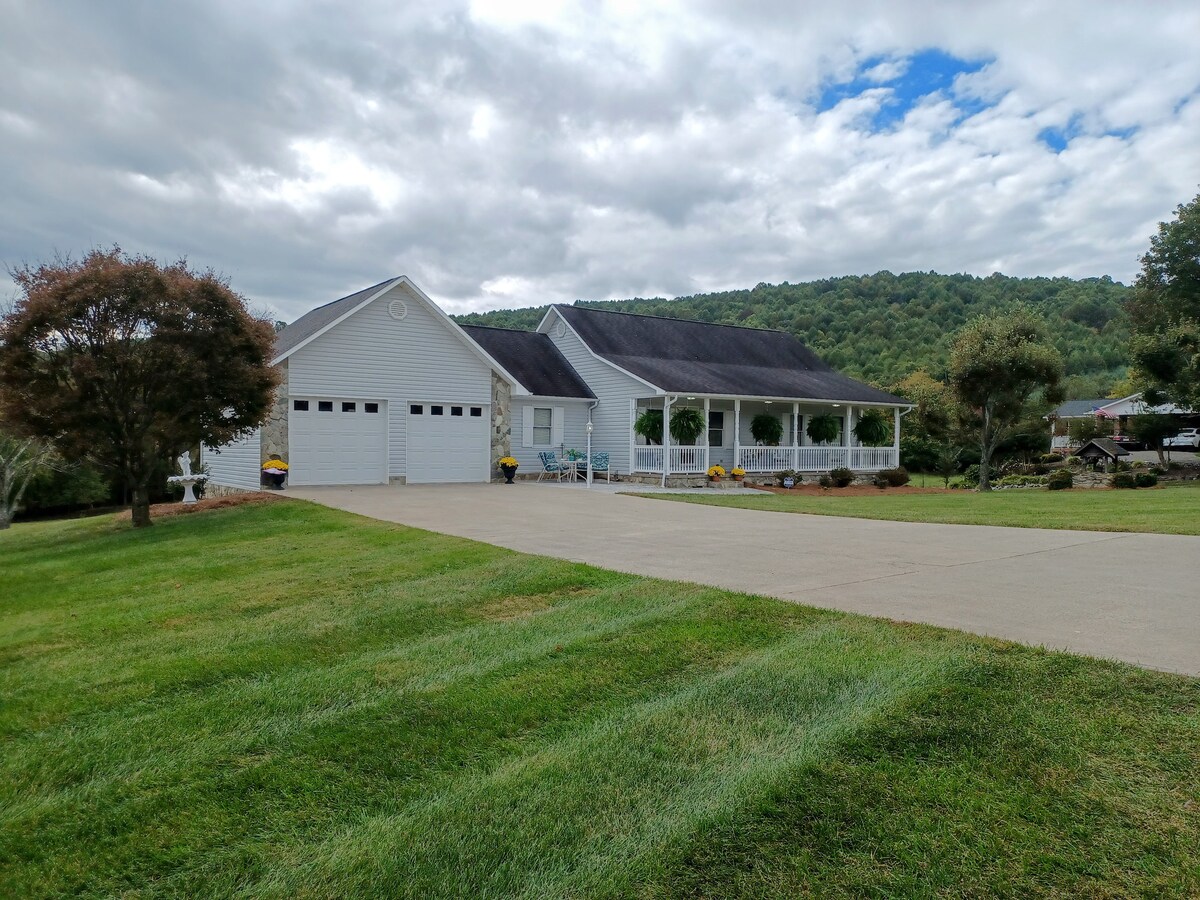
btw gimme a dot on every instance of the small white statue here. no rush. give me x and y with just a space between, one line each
185 463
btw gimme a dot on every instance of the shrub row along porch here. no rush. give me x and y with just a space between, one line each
726 435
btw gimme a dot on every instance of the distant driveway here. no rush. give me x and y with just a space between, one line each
1134 597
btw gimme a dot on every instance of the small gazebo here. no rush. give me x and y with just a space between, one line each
1100 451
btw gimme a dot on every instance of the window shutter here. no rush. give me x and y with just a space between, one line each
527 427
556 425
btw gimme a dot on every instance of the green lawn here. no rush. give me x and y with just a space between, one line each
283 700
1174 509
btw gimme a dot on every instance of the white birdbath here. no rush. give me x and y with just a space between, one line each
187 479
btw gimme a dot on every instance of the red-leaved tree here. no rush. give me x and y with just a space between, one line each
128 363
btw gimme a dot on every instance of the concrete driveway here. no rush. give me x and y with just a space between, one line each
1134 597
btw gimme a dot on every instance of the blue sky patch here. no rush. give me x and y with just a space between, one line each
927 72
1057 137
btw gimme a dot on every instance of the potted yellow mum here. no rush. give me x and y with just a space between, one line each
738 473
508 465
715 473
274 472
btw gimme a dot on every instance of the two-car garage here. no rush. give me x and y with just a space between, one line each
345 440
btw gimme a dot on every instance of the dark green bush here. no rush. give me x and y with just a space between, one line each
825 481
788 473
970 476
1123 480
841 477
1060 479
1145 479
75 486
897 477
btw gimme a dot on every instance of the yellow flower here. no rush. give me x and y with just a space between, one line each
507 461
737 470
275 464
716 472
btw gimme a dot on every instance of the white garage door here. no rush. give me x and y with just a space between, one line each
447 442
341 441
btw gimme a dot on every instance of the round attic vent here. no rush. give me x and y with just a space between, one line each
397 309
560 328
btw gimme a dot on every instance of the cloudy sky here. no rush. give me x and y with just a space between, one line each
517 153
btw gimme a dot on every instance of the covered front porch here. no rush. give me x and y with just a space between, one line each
729 442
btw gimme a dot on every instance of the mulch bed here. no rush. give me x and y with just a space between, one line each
161 510
854 490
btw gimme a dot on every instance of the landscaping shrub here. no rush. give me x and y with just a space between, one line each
1060 479
1123 480
788 473
897 477
1145 479
1050 459
1020 480
970 476
75 486
825 481
919 454
841 477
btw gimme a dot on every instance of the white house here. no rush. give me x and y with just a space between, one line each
1116 412
383 387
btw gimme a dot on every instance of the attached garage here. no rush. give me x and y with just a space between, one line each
447 442
337 441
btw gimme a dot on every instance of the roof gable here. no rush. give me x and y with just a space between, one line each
318 321
533 359
684 356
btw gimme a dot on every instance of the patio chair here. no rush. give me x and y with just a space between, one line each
550 466
600 465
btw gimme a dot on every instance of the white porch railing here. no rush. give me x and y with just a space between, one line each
815 459
647 459
684 460
688 460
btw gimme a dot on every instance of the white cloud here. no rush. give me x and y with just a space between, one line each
516 154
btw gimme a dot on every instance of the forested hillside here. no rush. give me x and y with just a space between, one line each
881 327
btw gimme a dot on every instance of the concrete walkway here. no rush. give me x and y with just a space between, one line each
1134 597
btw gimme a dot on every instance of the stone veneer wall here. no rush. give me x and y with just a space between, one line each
501 434
274 431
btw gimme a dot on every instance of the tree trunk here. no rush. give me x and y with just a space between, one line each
985 452
141 506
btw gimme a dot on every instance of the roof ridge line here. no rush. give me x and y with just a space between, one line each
618 312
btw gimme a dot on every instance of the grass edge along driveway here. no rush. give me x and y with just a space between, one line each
1173 509
288 700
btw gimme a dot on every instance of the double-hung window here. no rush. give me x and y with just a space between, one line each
716 428
543 419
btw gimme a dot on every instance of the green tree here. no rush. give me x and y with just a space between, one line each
21 460
1152 429
128 363
1165 311
998 364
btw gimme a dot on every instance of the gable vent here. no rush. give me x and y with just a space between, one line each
397 309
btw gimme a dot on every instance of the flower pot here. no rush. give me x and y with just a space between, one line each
509 472
274 481
738 477
714 478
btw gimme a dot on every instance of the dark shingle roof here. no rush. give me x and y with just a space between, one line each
683 356
1075 408
1104 444
532 359
314 320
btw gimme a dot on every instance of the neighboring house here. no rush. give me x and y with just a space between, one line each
383 387
1116 412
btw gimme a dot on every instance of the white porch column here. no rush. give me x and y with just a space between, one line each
666 439
795 435
632 435
846 433
896 437
737 432
707 448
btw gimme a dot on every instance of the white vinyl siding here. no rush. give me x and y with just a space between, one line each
235 465
416 359
568 429
613 388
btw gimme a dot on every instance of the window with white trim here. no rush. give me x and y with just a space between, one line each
543 420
